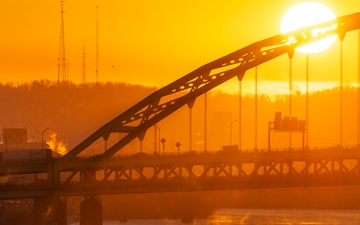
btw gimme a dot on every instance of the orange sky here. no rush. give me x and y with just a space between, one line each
154 42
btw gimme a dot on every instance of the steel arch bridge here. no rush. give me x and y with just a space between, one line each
104 174
134 122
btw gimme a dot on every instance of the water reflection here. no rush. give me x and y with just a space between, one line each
291 217
263 217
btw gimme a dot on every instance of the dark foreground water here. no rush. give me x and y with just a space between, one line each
264 216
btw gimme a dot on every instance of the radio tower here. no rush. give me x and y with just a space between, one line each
97 43
84 64
62 58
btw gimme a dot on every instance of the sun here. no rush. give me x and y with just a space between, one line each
306 14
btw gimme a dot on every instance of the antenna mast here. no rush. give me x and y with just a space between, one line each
62 58
84 64
97 43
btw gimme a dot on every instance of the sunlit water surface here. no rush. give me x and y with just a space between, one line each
263 216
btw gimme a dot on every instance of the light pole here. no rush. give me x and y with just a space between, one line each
240 116
290 54
231 131
205 122
159 140
358 90
307 100
341 89
256 107
42 138
155 137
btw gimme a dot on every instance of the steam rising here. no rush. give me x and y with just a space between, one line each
55 145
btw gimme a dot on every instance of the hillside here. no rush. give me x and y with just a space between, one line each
74 111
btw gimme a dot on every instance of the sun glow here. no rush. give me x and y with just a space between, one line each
274 88
306 14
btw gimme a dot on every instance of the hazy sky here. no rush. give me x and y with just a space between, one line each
154 42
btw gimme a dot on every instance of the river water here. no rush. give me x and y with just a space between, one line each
262 217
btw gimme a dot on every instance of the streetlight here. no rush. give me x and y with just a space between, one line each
231 130
42 138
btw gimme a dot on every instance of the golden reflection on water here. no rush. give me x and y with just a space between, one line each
228 219
261 217
284 217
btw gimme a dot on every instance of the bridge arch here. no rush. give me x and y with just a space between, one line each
135 121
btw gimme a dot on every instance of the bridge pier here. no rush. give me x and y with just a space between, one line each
189 207
91 211
49 211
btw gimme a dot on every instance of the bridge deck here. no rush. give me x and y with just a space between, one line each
192 172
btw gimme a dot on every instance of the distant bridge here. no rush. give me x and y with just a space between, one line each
106 174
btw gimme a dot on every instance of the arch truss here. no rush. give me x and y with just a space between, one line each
134 122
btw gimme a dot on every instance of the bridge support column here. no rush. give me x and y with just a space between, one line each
91 211
188 209
49 211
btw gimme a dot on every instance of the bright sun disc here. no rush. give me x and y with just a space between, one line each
306 14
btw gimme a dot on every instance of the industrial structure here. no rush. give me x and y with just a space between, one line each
15 139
